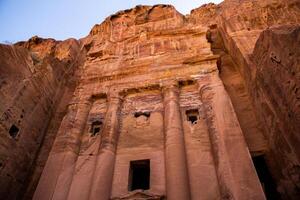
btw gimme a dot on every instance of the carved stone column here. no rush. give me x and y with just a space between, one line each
177 178
235 171
103 173
58 172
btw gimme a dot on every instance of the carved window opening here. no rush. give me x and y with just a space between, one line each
142 119
138 114
13 131
139 175
96 128
186 83
265 177
192 115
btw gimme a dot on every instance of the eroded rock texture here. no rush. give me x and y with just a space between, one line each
35 76
276 59
206 104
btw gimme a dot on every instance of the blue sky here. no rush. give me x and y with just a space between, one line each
62 19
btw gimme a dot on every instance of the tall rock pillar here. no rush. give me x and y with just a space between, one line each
57 175
235 171
175 154
103 173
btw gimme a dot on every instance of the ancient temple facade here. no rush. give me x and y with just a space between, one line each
157 123
155 119
160 126
156 105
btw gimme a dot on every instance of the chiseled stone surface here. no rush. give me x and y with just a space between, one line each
196 95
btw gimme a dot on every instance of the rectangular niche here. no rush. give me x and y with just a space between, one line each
139 175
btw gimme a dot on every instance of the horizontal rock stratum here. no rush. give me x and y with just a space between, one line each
153 104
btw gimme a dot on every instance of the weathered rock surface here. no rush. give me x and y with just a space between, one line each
33 81
276 96
138 78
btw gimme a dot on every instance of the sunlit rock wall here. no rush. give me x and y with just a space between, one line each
53 93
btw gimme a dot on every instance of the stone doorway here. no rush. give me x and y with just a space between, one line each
139 175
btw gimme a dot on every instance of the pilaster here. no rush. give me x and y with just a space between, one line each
57 175
103 172
235 171
177 182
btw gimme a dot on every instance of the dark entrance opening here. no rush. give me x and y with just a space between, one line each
13 131
95 128
192 119
139 175
192 115
265 178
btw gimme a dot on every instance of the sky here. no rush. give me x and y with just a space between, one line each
62 19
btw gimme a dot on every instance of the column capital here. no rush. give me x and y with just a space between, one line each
211 78
74 104
208 81
114 95
169 84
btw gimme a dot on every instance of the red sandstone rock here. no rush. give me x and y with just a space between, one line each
192 95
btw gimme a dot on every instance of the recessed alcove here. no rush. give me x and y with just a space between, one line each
142 119
192 115
138 114
95 128
183 83
139 175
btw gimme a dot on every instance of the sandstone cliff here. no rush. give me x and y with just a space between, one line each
257 43
35 76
